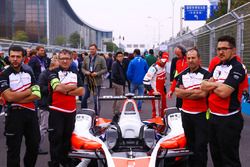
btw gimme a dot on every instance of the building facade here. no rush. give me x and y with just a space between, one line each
45 20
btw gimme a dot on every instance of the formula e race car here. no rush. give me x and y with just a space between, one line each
126 141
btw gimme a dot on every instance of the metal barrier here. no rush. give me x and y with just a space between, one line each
5 44
235 23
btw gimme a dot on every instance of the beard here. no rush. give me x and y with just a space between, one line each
16 66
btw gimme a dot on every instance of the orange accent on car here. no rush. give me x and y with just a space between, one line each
156 120
137 162
100 121
84 143
175 142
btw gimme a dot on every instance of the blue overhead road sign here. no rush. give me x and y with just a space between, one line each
195 12
213 8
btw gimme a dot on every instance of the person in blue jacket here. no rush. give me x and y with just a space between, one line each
137 69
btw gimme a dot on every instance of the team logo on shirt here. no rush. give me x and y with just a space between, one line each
221 73
20 81
192 80
236 75
67 77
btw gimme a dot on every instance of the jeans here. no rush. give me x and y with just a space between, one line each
117 105
140 89
96 94
43 116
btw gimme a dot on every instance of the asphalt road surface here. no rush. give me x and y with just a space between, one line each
106 111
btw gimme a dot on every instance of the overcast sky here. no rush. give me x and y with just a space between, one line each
138 21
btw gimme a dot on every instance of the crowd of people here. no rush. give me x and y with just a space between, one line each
39 97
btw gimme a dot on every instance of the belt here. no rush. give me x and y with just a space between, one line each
17 108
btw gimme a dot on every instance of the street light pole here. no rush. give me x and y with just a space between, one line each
181 20
48 25
120 41
228 5
80 38
159 32
159 28
173 3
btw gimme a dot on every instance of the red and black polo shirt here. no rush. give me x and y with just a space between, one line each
18 82
232 74
60 101
192 80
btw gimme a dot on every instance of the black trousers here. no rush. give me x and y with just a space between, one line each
19 123
178 102
225 133
61 126
196 132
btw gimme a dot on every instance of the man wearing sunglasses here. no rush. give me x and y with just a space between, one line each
226 121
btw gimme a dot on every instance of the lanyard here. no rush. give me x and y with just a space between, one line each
91 63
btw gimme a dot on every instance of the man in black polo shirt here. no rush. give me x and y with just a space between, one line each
65 85
17 86
194 107
226 121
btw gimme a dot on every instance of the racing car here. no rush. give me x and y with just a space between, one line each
127 141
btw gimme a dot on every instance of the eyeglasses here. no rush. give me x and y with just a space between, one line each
65 58
223 49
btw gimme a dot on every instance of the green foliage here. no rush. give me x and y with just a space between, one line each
20 36
111 47
237 3
222 7
74 40
60 40
43 40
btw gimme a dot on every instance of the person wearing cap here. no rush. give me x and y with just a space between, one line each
194 107
154 81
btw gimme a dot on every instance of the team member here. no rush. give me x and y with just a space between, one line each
65 85
93 67
154 82
181 65
225 121
216 60
194 107
18 88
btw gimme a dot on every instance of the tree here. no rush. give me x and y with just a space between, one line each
60 40
43 40
20 36
222 7
74 40
111 47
